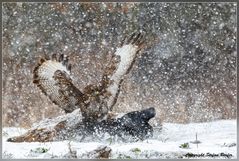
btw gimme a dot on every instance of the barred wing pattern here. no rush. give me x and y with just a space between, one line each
52 76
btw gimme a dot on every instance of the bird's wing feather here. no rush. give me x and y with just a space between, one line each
122 62
46 77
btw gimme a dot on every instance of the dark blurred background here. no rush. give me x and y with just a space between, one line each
187 70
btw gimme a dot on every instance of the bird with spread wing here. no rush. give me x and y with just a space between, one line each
53 77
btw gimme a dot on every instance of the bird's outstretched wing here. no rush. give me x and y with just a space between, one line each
121 63
52 76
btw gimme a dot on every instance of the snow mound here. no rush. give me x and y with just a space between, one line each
216 139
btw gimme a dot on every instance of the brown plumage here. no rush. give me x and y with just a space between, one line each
53 77
91 105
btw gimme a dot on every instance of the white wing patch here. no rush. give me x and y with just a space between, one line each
43 78
48 68
127 54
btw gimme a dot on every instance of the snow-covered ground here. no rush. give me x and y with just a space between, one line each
218 138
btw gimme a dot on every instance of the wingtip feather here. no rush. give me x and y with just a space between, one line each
137 38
